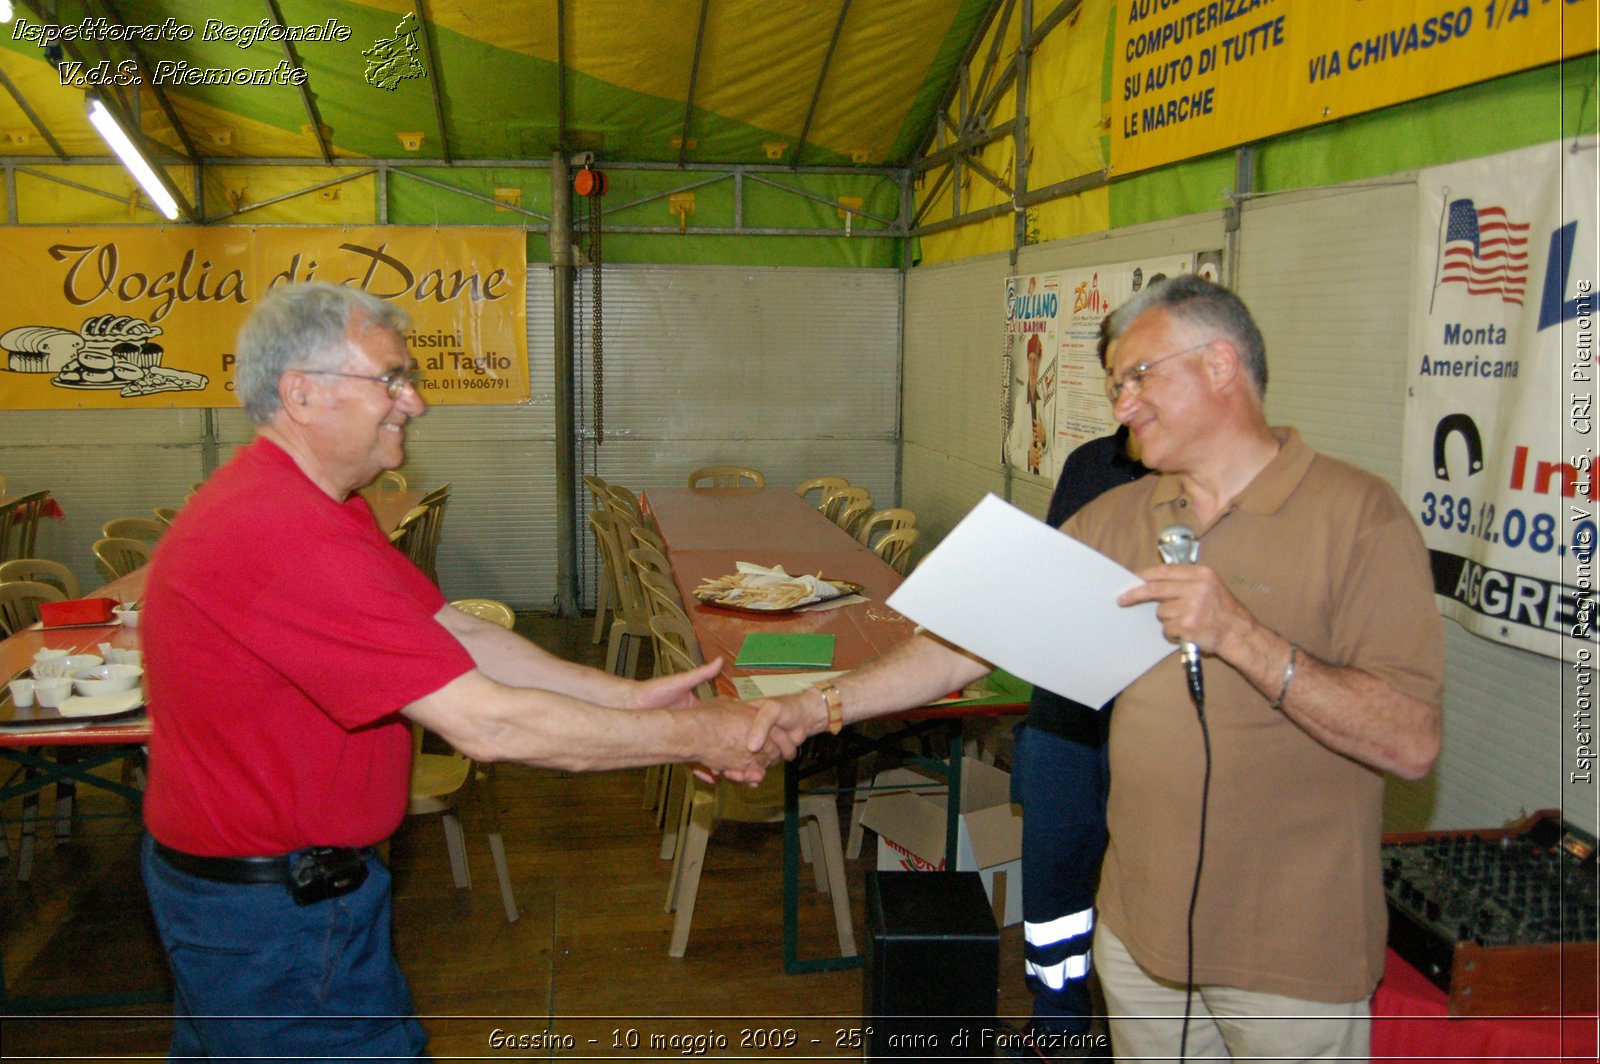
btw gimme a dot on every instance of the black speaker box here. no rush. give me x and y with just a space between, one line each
932 971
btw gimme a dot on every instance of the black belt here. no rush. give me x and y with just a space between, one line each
227 869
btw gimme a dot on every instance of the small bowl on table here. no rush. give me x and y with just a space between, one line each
128 615
106 679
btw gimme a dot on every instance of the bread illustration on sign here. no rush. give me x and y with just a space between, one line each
39 348
109 351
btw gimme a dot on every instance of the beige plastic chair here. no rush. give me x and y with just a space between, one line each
705 806
837 500
645 536
492 610
648 559
884 521
820 485
602 599
45 572
439 780
407 534
436 502
389 480
147 529
166 514
851 517
726 476
20 601
620 499
19 525
120 556
895 548
630 623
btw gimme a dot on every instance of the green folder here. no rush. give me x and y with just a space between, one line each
777 650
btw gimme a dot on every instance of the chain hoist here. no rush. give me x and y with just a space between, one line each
591 184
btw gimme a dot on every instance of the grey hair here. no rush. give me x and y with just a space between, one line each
1193 300
302 326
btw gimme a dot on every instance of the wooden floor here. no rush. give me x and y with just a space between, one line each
588 958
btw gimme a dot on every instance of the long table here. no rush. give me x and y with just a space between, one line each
706 532
46 755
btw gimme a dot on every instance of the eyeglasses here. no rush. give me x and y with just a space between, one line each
1132 382
394 382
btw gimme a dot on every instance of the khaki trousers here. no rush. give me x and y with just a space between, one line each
1225 1023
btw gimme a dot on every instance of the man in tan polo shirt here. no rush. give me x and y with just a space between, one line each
1323 657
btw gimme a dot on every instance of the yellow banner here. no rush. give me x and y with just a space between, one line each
125 318
1192 77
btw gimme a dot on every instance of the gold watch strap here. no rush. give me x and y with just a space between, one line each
830 695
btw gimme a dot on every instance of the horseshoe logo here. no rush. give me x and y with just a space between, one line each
1454 424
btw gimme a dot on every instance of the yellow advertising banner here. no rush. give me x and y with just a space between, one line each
1192 77
131 318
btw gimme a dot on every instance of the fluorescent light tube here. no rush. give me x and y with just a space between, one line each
114 135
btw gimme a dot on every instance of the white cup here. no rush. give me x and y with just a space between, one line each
46 654
123 656
21 692
53 692
128 615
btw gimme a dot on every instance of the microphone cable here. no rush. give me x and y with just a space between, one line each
1199 864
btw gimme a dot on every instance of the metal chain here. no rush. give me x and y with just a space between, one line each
595 330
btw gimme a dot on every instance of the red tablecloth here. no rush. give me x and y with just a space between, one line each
1410 1022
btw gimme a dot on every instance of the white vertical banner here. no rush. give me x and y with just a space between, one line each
1499 430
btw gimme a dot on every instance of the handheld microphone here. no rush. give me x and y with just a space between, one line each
1178 546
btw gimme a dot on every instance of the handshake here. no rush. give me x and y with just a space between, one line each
728 738
741 740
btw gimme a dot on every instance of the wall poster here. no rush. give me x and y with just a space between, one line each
1054 390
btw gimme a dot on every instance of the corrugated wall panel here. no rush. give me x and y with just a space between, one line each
99 464
794 372
1330 272
954 338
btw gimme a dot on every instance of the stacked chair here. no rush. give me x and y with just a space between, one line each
439 780
602 604
630 616
418 532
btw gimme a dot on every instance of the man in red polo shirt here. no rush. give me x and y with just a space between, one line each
288 646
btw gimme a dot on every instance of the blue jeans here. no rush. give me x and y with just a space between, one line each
1062 787
257 975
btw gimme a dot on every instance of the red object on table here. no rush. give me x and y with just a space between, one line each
76 612
1411 1022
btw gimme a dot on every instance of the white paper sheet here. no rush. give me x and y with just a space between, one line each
1018 593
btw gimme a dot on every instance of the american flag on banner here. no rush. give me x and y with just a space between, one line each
1486 251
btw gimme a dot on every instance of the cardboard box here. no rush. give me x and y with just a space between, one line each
911 829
